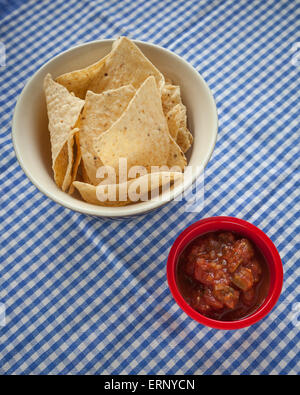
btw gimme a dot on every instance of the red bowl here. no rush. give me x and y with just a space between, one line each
258 237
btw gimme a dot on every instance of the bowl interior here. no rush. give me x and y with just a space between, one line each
262 242
30 124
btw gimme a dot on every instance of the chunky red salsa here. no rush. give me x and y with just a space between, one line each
223 276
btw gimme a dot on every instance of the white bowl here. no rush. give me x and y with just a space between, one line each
30 124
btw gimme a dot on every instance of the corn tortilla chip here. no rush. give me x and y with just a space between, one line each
184 139
141 133
133 190
63 113
130 111
170 97
78 81
175 112
176 157
168 80
76 163
125 65
176 119
99 113
68 175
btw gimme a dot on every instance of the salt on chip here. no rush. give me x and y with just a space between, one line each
99 113
141 133
125 65
135 190
78 81
63 112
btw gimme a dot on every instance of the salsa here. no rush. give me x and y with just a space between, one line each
223 276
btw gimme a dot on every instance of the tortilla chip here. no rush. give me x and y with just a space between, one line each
140 135
63 113
176 157
184 139
139 189
68 175
77 159
125 65
168 80
99 113
88 193
170 97
60 165
176 119
175 112
78 81
84 174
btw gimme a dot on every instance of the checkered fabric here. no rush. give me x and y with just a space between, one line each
88 296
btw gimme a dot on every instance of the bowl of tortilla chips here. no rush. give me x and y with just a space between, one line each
109 128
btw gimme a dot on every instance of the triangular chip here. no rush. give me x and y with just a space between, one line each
176 157
63 112
78 81
76 161
125 65
175 112
88 193
140 135
184 139
170 96
139 189
68 175
176 119
168 80
99 113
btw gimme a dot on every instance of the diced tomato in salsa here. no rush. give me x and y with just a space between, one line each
228 295
243 278
209 272
220 272
255 268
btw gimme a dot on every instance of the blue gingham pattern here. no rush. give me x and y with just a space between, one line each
89 296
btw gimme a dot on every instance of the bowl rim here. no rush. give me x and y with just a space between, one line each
123 211
183 240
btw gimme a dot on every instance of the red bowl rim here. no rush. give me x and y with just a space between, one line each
259 237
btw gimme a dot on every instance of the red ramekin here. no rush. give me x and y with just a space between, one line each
258 237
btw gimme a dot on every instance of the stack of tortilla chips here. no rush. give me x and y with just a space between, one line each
120 107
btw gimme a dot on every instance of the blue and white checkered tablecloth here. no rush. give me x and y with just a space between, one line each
87 296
